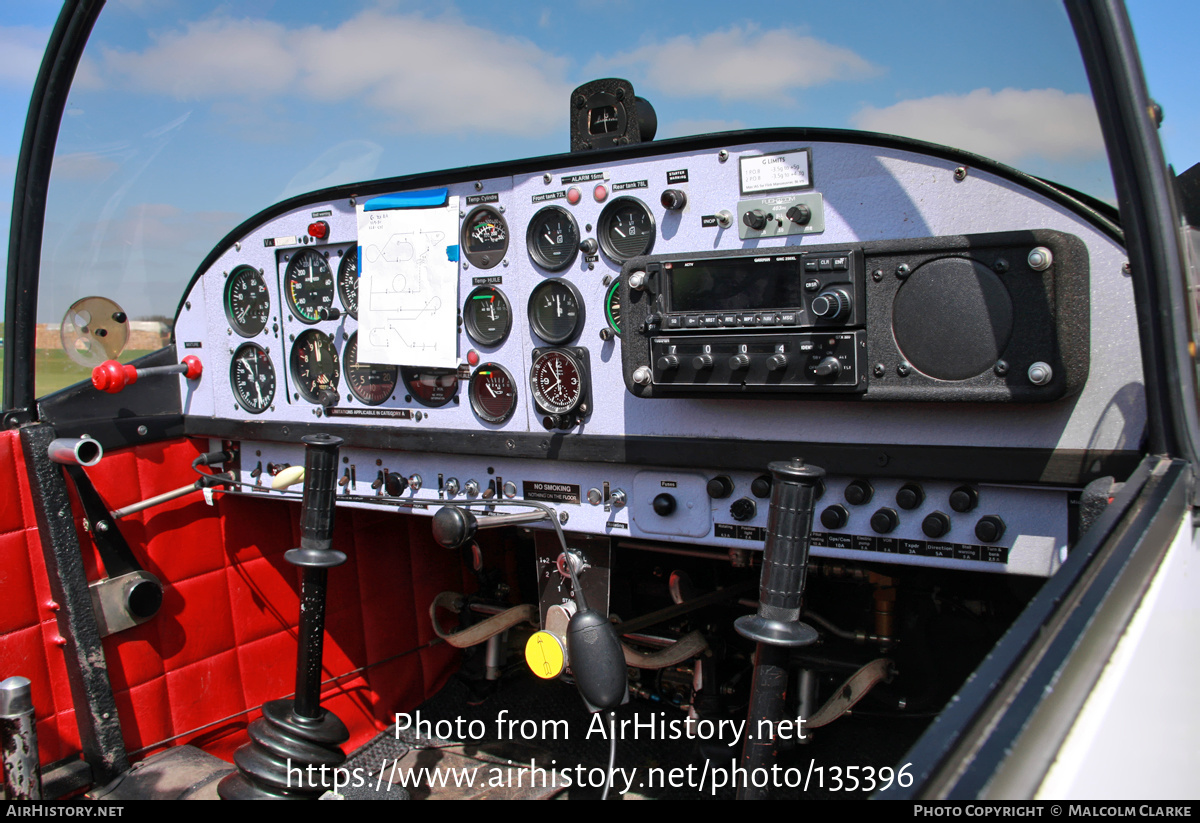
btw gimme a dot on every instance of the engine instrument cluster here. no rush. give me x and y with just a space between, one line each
691 311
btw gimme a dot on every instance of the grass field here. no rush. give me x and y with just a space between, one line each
54 370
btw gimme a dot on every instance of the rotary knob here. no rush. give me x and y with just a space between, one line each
799 214
777 361
702 361
755 219
673 199
739 362
664 504
743 509
667 362
829 367
395 484
832 304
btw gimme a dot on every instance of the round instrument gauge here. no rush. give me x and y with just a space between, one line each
347 282
247 302
431 387
556 310
371 384
493 393
314 364
252 378
625 229
484 237
612 306
308 285
553 238
487 316
556 381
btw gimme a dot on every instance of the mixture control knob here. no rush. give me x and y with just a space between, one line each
451 486
720 487
833 304
668 362
835 516
702 361
755 219
829 367
859 492
664 504
910 496
471 488
589 246
935 525
799 214
989 529
964 499
885 520
777 361
673 199
743 509
395 484
739 362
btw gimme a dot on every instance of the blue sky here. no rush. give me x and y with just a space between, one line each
179 129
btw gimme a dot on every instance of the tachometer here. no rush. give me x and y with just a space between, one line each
484 237
308 285
487 316
493 393
252 378
553 238
625 229
431 387
370 383
314 364
556 310
347 282
247 302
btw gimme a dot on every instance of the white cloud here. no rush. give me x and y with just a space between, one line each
742 63
21 50
1008 125
429 75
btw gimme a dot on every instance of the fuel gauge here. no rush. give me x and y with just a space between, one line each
553 238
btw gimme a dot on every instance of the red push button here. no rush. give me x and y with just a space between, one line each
574 195
600 193
319 229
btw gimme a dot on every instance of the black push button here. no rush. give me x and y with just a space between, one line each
664 504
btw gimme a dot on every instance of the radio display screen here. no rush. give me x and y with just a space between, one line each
736 283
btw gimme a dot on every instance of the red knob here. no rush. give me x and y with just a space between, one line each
110 376
194 367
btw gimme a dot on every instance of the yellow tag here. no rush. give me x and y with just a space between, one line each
544 654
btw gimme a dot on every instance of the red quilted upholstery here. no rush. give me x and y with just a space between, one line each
224 641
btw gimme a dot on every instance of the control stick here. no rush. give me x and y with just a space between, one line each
777 627
295 746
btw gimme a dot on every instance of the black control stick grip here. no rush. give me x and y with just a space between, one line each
785 557
320 499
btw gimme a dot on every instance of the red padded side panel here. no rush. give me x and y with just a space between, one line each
224 641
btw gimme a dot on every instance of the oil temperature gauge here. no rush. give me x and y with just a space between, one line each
487 316
493 393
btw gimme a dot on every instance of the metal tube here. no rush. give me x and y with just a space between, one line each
79 451
134 508
18 741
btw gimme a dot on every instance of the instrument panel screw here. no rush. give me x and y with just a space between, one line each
877 275
510 445
903 270
903 369
563 517
229 332
546 178
1001 368
960 173
143 431
722 155
237 246
1000 266
879 370
188 305
504 262
478 186
881 460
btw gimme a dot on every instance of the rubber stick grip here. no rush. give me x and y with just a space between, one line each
320 490
785 556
